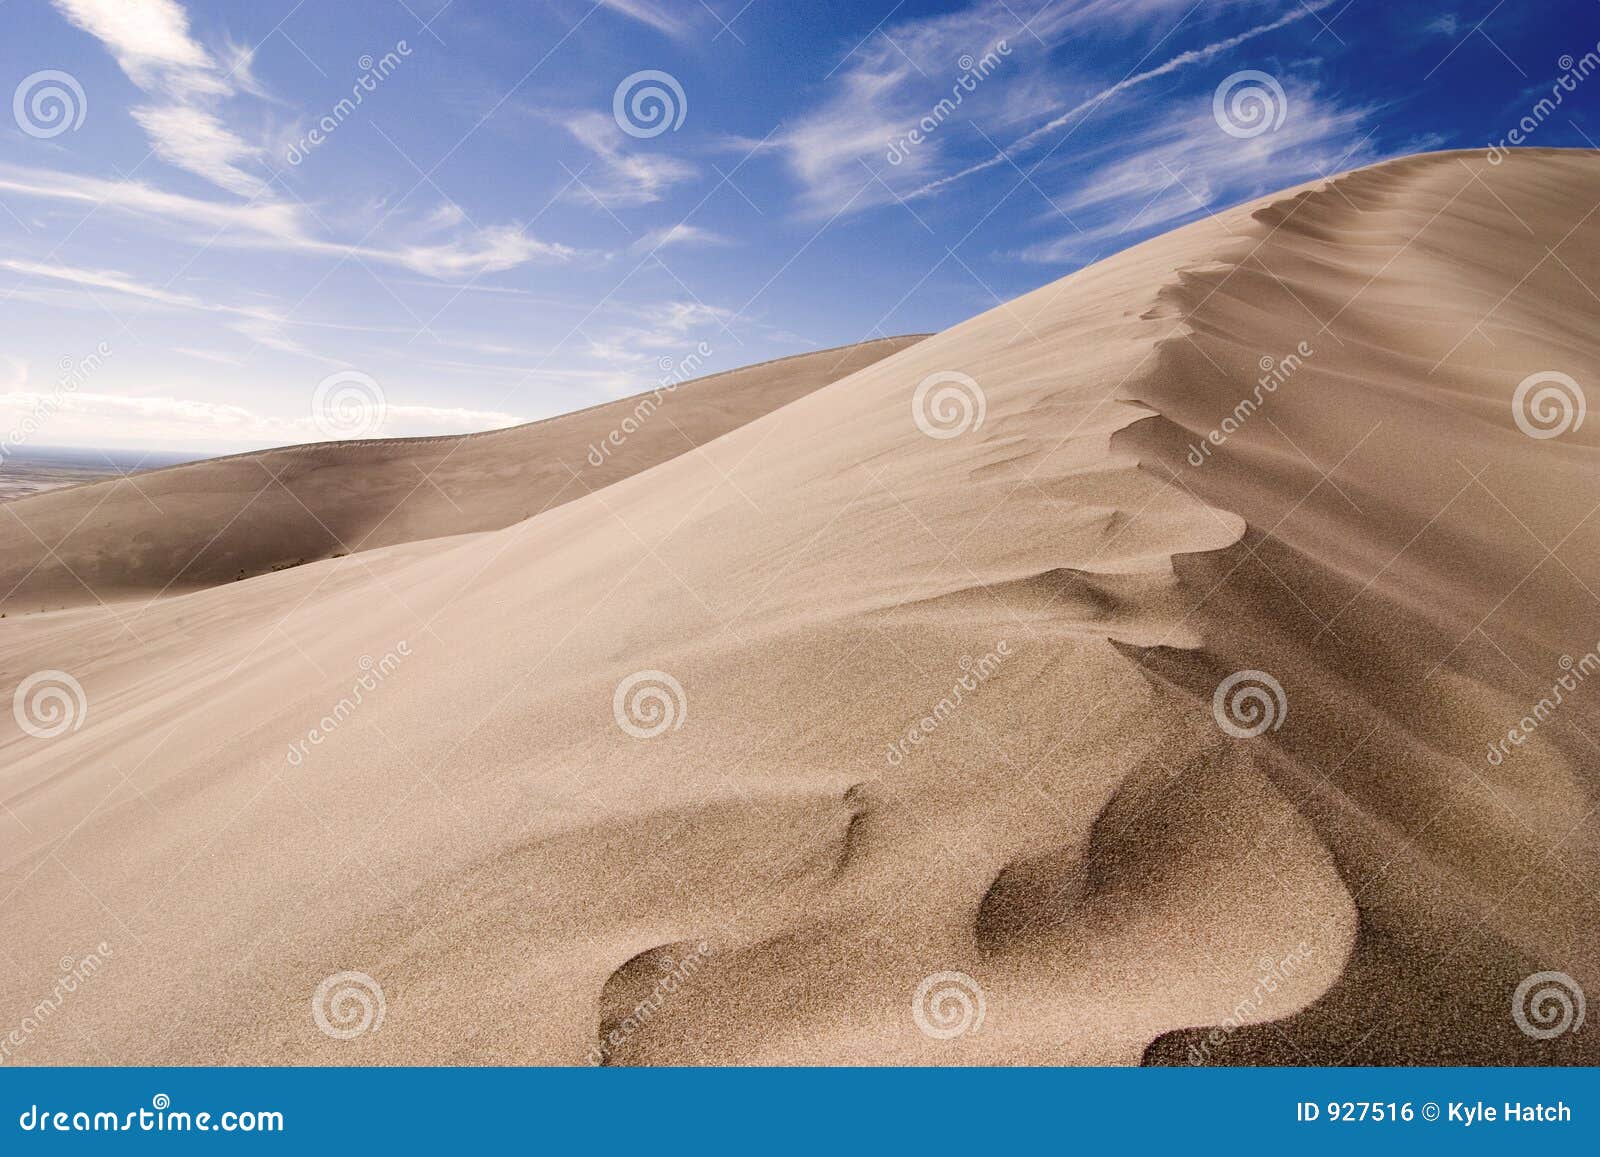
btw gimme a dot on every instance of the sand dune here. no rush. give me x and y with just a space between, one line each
936 772
230 518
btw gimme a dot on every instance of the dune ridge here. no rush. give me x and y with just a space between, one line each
223 519
1073 862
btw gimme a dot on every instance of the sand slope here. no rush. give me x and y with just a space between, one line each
230 518
1048 601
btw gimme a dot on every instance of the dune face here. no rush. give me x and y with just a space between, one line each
225 519
980 707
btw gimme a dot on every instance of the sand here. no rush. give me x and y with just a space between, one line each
940 719
225 519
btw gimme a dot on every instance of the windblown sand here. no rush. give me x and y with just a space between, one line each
1117 877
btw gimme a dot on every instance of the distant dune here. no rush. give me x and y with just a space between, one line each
1025 696
230 518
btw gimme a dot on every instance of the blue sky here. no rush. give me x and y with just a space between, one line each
200 224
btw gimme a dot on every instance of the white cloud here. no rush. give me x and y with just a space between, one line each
148 38
172 421
119 283
679 234
268 218
658 16
150 41
1075 114
909 77
281 227
192 138
625 173
1183 164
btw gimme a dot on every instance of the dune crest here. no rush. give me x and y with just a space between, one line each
895 710
224 519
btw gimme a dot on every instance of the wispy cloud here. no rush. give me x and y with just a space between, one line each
624 174
282 227
1075 114
150 41
192 138
906 108
666 18
679 234
1183 165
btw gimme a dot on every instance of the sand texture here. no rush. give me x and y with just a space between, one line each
528 857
